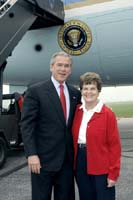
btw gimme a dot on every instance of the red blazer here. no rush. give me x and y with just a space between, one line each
102 140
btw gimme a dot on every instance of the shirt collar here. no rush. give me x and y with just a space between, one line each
97 108
56 83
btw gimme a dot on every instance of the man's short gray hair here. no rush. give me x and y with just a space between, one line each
61 53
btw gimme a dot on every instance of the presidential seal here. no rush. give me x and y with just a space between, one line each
75 37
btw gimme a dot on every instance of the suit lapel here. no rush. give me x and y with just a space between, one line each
72 104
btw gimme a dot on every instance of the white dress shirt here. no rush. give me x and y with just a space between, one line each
87 115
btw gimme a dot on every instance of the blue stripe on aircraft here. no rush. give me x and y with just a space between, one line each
72 1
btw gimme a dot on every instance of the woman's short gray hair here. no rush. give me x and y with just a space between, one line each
89 77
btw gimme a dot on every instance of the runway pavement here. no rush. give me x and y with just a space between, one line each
15 178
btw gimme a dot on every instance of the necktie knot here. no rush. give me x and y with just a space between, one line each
63 99
61 87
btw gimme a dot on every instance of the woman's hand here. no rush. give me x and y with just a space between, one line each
111 183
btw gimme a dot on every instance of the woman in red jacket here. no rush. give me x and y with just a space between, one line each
97 148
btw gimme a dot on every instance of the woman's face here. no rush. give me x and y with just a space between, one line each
90 93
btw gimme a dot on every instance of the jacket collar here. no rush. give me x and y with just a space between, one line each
96 109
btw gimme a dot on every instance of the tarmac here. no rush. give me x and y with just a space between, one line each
15 182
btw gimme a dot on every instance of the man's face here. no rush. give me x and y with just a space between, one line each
61 68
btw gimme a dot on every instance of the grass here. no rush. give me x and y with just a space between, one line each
122 109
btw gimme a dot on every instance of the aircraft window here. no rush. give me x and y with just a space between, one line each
38 47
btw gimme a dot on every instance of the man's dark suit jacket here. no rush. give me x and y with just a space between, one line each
43 126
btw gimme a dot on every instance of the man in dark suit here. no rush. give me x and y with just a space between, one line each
46 132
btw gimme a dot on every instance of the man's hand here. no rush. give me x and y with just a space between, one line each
34 164
111 183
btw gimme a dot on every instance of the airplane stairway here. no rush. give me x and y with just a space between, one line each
17 16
